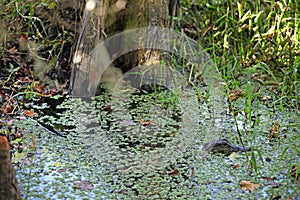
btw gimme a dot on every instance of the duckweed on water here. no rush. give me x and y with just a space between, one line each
119 156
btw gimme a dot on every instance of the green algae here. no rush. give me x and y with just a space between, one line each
119 156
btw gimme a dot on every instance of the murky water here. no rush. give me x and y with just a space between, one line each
141 148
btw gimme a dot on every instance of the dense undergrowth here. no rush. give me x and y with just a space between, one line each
255 45
260 37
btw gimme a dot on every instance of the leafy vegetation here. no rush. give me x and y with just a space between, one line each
261 37
256 47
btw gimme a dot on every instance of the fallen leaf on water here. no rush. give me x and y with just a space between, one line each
192 173
107 107
29 113
274 130
247 185
19 156
62 170
83 185
234 94
58 164
235 166
173 172
268 178
145 122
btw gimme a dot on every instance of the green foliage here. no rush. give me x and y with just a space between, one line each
244 34
255 44
38 22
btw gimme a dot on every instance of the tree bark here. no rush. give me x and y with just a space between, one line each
106 20
8 183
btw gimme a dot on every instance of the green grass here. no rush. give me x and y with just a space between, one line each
243 35
255 45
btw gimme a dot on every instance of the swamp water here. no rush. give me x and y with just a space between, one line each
141 149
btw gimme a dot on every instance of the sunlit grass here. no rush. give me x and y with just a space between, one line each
255 45
249 34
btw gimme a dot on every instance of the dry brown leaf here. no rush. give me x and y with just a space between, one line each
274 131
62 170
3 95
38 88
145 122
236 166
173 172
29 113
247 185
268 178
234 94
23 42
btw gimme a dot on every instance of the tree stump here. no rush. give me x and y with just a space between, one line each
8 183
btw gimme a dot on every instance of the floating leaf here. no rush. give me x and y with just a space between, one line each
236 166
247 185
58 164
274 131
62 170
173 172
145 122
234 94
125 170
268 178
29 113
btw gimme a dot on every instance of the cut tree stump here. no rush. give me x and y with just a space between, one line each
8 183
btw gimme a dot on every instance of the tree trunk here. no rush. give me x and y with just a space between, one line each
106 20
8 183
110 18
